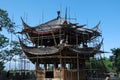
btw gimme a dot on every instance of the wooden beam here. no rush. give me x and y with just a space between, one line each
42 57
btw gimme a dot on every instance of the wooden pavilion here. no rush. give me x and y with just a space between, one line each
60 48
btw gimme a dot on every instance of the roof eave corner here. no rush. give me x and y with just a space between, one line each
25 25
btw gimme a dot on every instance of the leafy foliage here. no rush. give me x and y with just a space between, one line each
16 48
7 49
116 58
4 41
1 66
5 21
8 53
109 65
104 64
95 64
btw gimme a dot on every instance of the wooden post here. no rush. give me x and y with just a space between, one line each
45 67
63 70
37 70
83 68
55 67
78 66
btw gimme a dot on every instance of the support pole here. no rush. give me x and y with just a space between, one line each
78 66
37 70
63 70
45 68
55 68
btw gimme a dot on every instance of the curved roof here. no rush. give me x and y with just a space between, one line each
54 50
56 24
39 51
45 27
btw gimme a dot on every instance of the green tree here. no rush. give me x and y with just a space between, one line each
7 49
103 63
116 58
108 64
5 21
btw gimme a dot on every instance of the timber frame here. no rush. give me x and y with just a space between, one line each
62 48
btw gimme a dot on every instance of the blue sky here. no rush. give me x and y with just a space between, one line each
85 11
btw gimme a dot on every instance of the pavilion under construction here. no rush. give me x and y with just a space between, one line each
62 50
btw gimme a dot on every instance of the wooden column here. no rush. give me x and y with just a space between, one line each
78 69
45 67
37 70
55 69
83 69
63 70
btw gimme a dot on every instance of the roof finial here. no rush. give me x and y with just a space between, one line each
58 12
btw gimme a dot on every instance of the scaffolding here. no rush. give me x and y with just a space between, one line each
63 50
